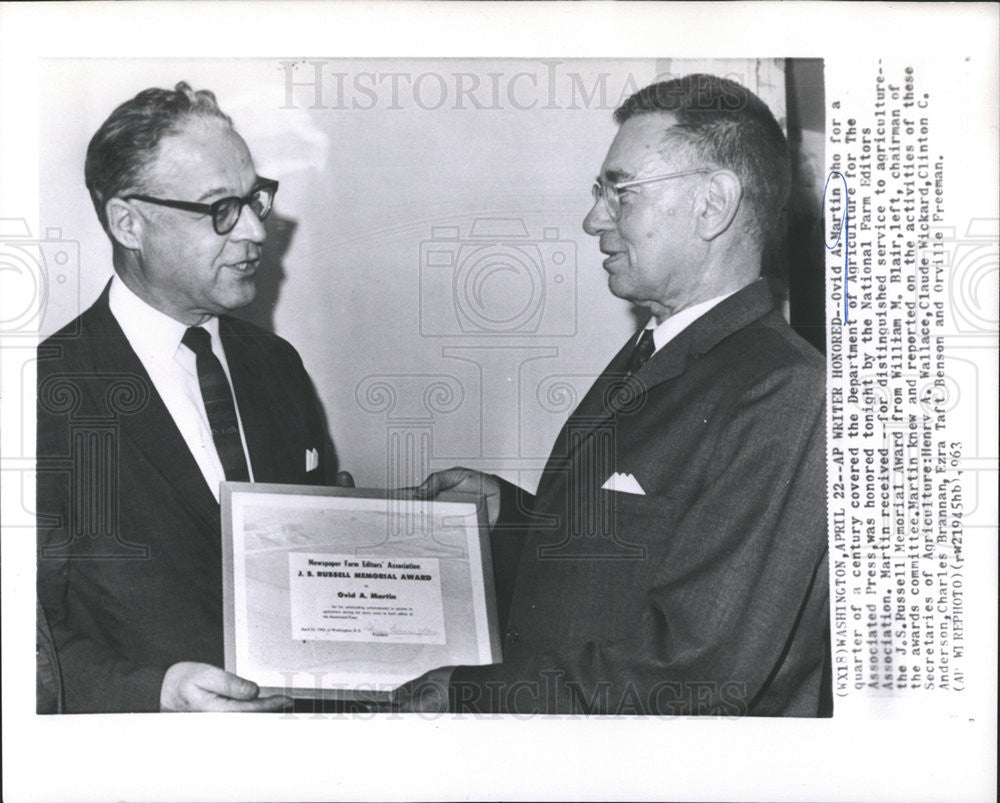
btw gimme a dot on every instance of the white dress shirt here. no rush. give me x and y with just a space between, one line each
678 322
156 339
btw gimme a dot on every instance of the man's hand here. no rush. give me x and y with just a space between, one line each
464 480
428 694
190 686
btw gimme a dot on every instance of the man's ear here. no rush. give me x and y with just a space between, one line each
124 224
720 202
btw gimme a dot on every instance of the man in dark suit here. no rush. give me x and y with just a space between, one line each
148 401
674 557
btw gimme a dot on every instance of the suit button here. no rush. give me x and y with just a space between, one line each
511 634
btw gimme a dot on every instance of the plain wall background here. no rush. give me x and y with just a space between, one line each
425 252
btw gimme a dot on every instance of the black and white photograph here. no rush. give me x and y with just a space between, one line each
675 473
381 404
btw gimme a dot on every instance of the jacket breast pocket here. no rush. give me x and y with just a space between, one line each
655 506
641 522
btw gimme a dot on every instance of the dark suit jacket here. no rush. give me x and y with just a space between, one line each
708 594
129 565
48 682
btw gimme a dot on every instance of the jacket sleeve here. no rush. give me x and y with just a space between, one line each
48 682
744 586
94 677
506 542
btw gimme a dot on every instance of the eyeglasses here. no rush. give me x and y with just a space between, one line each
611 193
226 211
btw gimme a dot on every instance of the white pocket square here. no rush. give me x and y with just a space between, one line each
623 483
312 459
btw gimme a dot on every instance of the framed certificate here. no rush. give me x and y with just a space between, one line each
347 593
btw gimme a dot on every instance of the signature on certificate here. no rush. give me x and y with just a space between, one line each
396 630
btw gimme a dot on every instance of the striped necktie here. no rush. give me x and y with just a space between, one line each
643 351
219 405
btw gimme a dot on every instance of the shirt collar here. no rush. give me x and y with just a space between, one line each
679 321
153 335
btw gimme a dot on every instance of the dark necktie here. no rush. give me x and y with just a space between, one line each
219 405
643 351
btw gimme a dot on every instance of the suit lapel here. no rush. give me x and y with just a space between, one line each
736 312
588 415
251 391
152 430
615 391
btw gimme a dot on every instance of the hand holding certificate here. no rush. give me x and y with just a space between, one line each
349 593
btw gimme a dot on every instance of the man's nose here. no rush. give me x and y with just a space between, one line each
598 220
249 226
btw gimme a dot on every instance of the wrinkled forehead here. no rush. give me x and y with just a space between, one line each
203 155
640 145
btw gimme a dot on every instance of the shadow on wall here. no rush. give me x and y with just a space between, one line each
271 271
270 275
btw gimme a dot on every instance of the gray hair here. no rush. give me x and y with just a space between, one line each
126 142
725 125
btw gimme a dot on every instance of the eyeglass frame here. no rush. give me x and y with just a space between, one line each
599 189
214 208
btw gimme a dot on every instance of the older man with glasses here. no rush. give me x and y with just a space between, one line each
148 401
674 558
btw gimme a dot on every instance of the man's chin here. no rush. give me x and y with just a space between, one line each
238 298
620 288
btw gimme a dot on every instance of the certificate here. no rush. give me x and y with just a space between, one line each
350 592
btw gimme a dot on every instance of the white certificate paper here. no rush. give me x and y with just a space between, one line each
351 592
349 598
